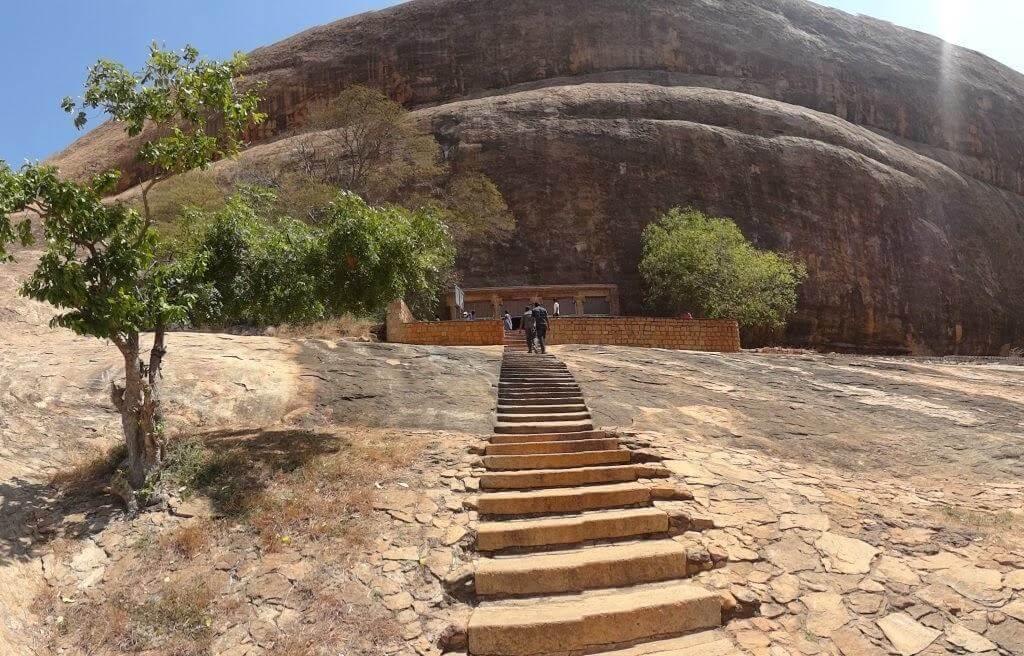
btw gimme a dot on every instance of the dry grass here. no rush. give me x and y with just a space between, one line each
344 327
337 628
190 540
977 519
279 489
292 485
331 497
174 622
90 474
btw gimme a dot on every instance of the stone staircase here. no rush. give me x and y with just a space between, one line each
575 557
515 341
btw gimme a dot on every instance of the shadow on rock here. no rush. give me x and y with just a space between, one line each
233 467
35 513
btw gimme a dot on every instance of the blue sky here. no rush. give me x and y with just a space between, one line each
47 45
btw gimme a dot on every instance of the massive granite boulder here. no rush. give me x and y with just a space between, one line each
891 162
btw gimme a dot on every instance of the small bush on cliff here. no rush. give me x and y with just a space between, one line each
693 262
270 269
362 141
101 266
366 144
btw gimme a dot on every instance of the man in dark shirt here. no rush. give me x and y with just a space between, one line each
540 325
528 327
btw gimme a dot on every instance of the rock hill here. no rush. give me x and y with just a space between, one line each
885 158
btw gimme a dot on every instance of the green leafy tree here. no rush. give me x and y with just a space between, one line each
101 266
258 265
270 269
693 262
372 255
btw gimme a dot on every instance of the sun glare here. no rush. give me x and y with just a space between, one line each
952 14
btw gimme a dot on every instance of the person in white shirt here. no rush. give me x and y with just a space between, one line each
554 309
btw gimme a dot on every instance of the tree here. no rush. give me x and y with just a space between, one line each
372 255
363 142
269 268
101 266
691 261
367 144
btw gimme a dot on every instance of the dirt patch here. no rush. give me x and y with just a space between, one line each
280 542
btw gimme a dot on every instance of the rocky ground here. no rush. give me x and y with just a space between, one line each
293 409
874 505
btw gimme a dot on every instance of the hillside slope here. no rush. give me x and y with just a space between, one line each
55 412
907 203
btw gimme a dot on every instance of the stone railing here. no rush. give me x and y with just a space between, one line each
681 334
404 329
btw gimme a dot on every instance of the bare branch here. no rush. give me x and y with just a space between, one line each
145 209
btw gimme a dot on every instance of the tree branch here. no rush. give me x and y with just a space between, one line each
145 208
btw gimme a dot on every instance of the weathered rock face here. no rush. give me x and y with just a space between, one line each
903 189
901 249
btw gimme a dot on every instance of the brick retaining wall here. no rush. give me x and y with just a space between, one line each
680 334
403 329
484 332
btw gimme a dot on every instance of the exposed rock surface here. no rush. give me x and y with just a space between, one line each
907 417
885 158
906 472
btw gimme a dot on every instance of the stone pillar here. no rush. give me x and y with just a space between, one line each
496 303
398 315
580 298
613 302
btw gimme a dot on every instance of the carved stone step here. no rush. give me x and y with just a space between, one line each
557 460
543 478
530 426
596 525
564 500
703 643
541 399
583 568
591 621
546 415
515 409
566 446
548 437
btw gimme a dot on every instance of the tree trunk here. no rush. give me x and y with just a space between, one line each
156 358
139 416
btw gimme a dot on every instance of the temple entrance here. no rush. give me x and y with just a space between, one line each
573 300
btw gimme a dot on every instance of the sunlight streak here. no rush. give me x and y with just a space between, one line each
952 14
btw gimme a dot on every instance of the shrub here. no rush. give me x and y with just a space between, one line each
694 262
169 198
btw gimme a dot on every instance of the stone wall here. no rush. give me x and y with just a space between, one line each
404 329
647 332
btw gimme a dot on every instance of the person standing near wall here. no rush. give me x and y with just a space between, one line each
540 325
554 309
528 326
507 318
